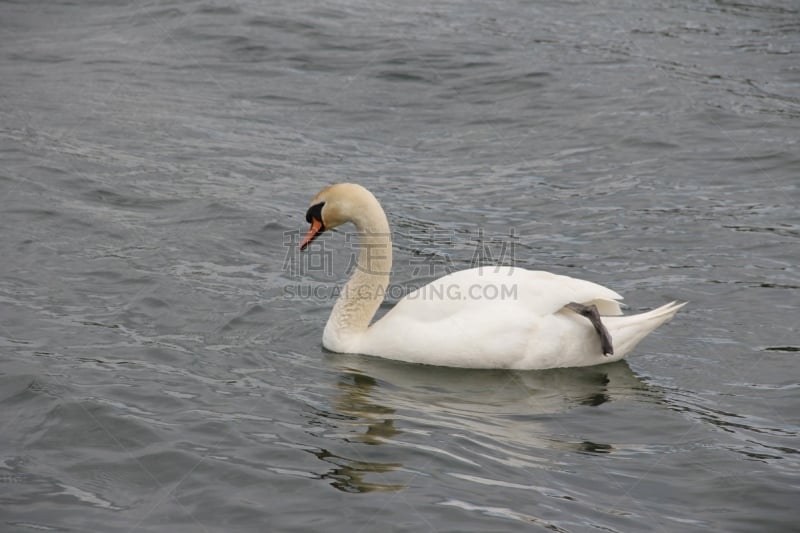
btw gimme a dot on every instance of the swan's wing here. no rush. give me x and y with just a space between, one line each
529 292
489 318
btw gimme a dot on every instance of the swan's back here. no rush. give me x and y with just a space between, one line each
534 291
490 317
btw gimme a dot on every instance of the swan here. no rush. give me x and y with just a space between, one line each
484 317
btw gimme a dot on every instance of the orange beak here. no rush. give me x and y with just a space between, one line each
316 225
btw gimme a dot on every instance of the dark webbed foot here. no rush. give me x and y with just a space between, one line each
591 313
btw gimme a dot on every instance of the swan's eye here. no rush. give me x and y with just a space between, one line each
315 213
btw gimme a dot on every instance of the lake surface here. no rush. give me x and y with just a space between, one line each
161 366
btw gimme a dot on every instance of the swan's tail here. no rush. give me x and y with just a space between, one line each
627 331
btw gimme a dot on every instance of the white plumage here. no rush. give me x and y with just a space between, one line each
487 317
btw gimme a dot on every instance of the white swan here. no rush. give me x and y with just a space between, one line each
488 317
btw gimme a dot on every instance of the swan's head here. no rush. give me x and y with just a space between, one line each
337 204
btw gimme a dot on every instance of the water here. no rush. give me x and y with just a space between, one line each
157 375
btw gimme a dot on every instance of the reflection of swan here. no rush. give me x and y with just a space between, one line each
507 408
355 402
509 392
501 414
490 317
364 421
348 476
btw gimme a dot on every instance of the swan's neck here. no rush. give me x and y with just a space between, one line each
364 292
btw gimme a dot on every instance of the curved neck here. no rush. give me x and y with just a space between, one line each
364 292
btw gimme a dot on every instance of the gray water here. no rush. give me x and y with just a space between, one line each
161 368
